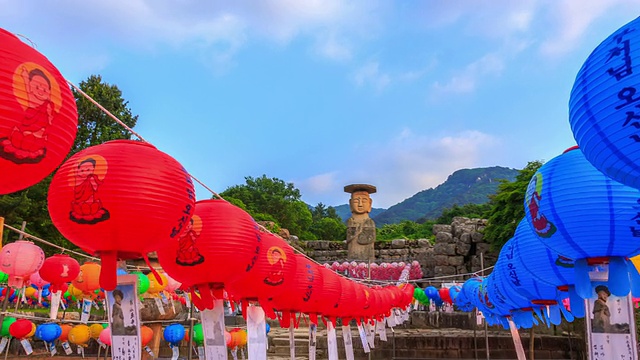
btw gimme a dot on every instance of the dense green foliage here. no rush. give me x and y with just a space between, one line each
507 207
344 211
405 230
471 211
94 128
466 186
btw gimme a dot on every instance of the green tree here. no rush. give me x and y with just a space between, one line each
274 200
326 225
94 127
507 207
406 230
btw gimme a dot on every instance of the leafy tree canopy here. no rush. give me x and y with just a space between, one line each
507 207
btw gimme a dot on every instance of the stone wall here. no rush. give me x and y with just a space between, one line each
456 249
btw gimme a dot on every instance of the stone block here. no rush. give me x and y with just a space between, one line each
444 270
440 249
456 260
463 249
477 237
451 249
441 228
398 243
482 248
423 243
441 260
465 238
443 237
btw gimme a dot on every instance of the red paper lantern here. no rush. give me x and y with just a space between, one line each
304 293
272 273
121 200
220 243
38 117
445 295
19 260
21 328
59 269
331 288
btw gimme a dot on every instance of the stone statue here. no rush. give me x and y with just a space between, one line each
361 229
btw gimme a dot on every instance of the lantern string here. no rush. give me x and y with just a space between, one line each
121 123
28 236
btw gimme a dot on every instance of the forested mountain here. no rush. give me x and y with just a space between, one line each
466 186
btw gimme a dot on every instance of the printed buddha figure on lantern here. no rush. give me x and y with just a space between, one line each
188 254
27 141
86 207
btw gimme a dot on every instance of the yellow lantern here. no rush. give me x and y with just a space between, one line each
95 330
154 286
33 330
30 292
80 335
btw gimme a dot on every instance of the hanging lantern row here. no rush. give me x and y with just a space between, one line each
375 271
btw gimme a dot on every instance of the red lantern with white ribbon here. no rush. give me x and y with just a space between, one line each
121 200
38 117
59 269
220 242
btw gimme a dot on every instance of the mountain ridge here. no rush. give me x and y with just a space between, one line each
463 186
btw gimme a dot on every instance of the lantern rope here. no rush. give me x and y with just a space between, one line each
28 236
121 123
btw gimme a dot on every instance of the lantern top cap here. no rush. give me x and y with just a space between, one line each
360 187
128 141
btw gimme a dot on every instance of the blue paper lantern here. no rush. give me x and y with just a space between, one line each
454 291
603 106
268 327
583 214
48 332
432 293
173 334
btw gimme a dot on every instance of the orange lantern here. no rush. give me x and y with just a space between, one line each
121 200
146 335
38 120
220 236
95 330
88 279
80 335
66 328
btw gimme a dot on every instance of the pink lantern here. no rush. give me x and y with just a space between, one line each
37 280
105 336
19 260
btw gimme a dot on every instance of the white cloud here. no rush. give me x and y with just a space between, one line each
405 165
466 80
572 20
369 74
333 47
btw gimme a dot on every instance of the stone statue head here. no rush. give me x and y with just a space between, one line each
360 202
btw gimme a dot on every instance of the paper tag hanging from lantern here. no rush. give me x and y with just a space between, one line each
257 333
348 341
3 343
370 333
292 341
332 342
160 306
150 352
86 310
175 353
124 317
26 345
381 330
363 338
213 330
312 341
52 349
66 347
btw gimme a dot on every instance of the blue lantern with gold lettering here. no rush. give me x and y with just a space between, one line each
582 214
604 107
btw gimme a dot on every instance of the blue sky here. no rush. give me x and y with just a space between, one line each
325 93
